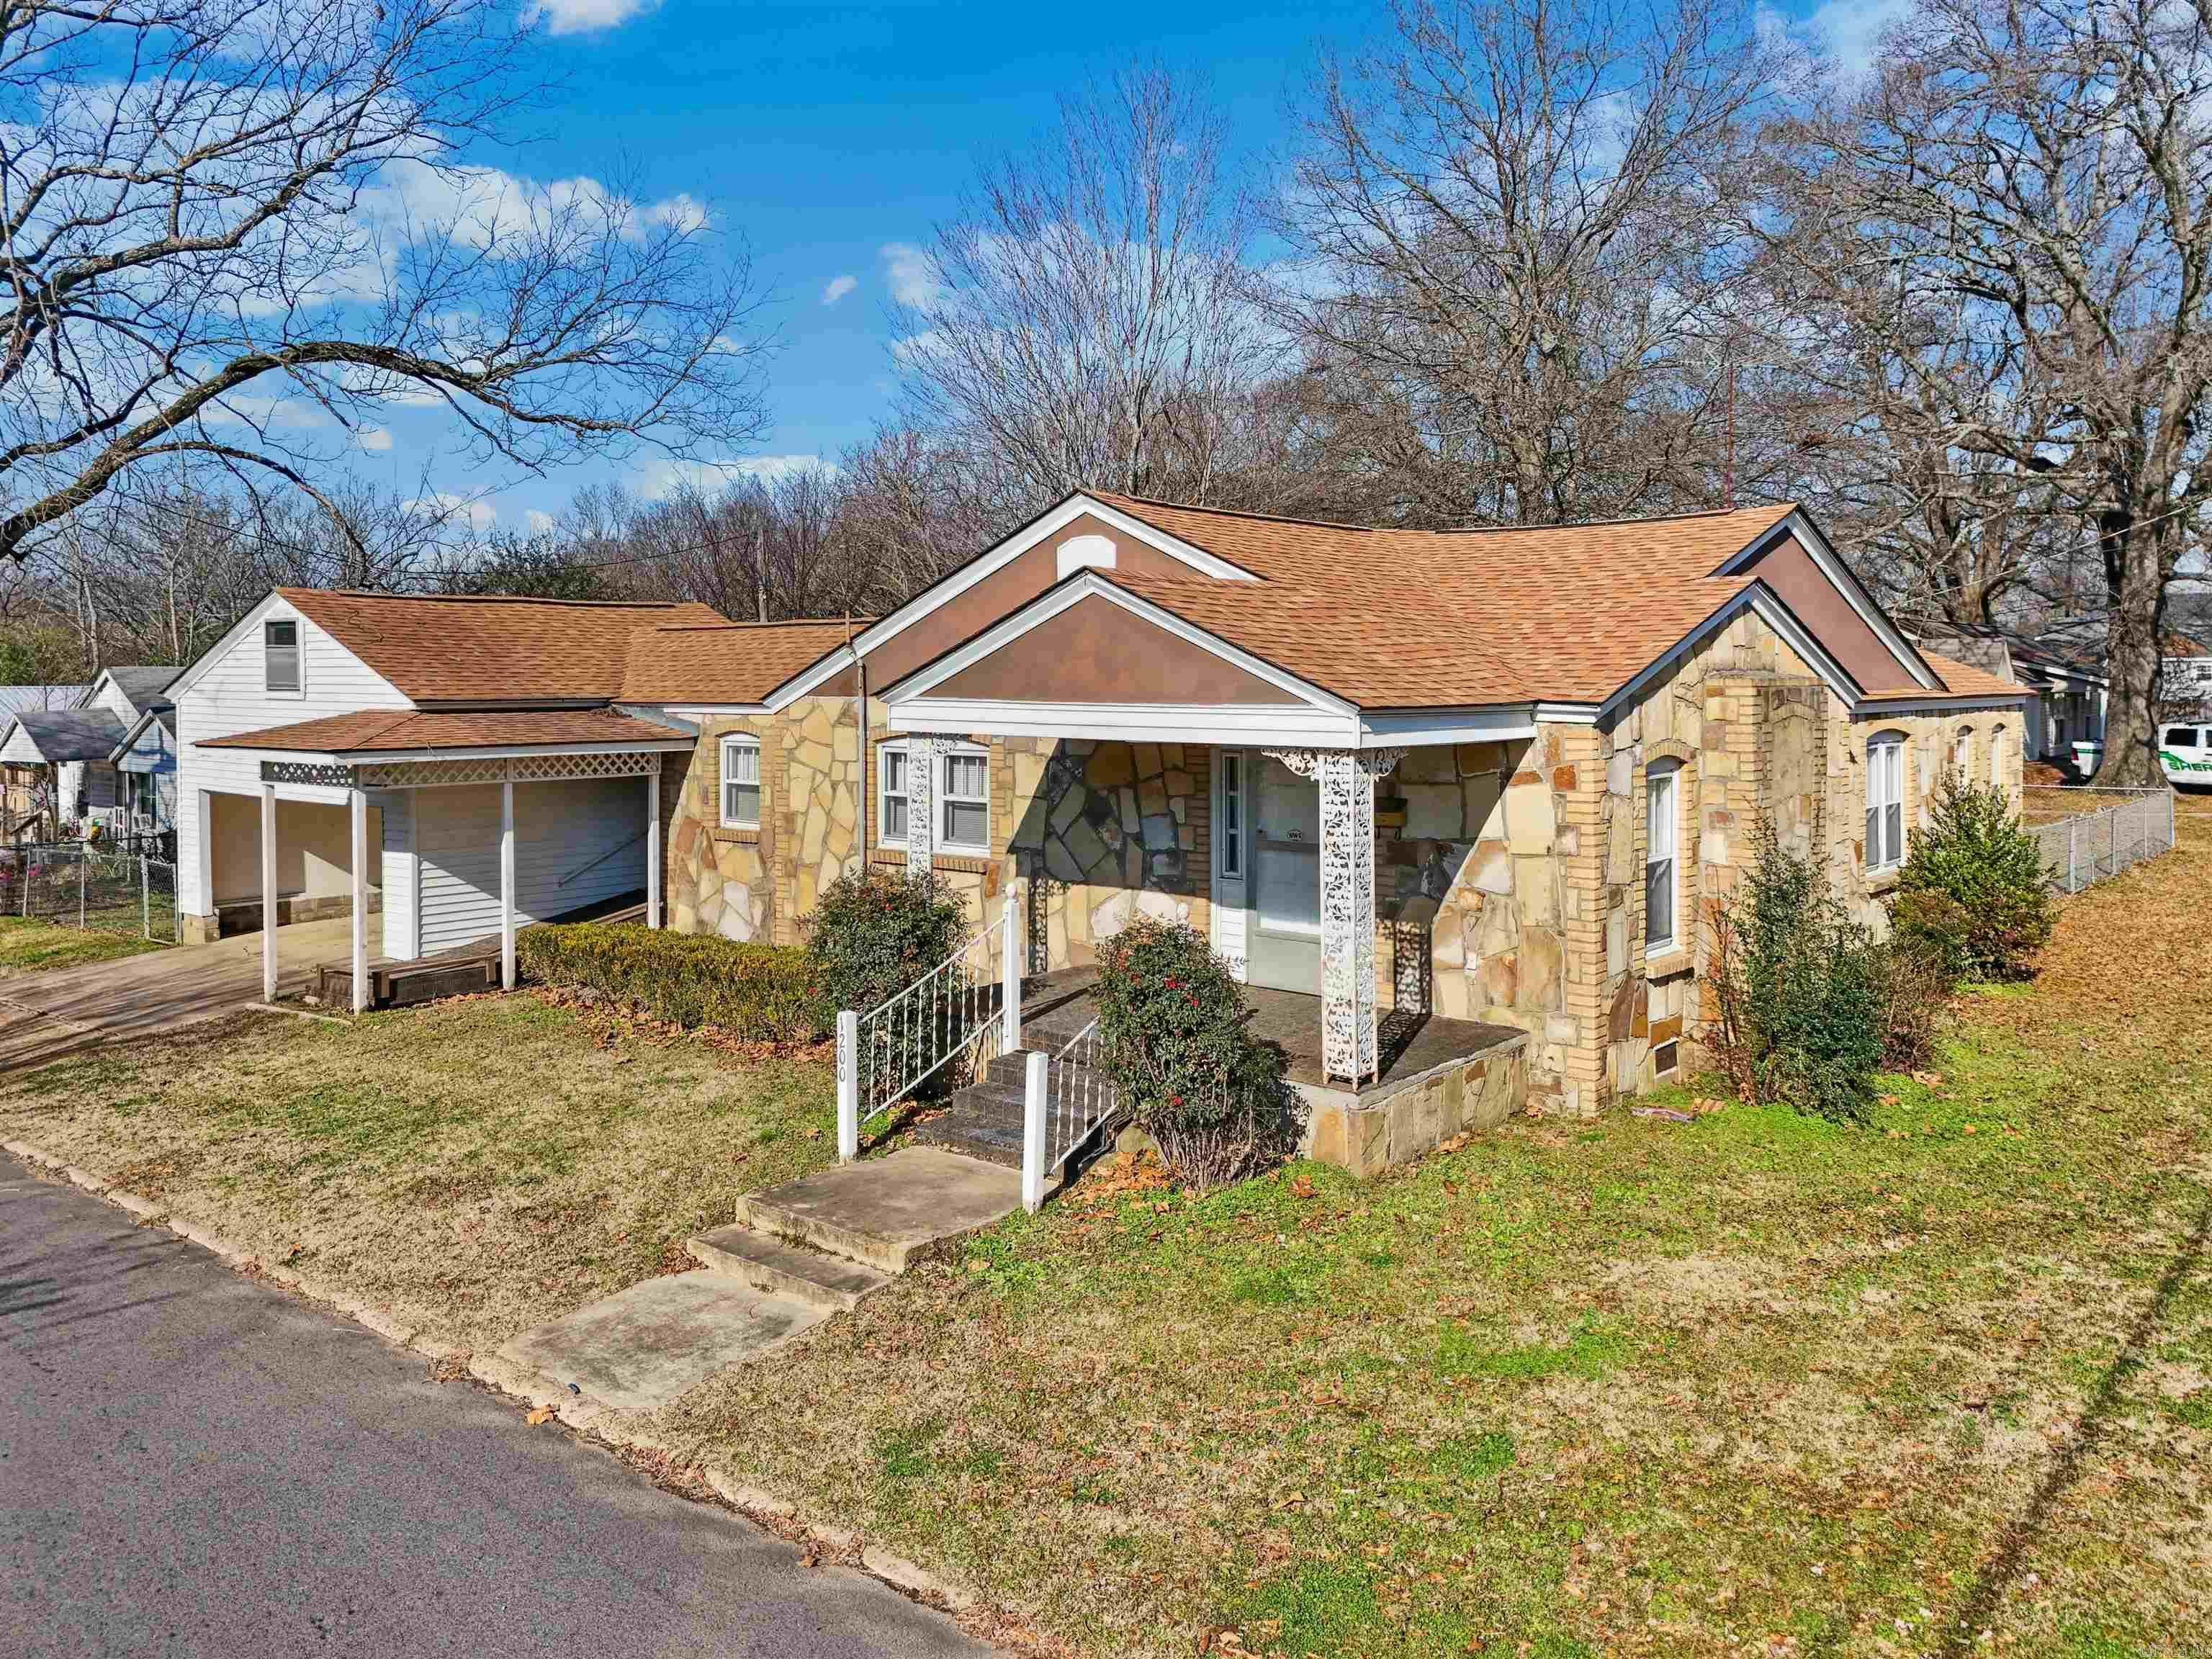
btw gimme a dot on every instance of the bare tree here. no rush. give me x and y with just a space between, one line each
1084 320
237 229
2035 172
1520 224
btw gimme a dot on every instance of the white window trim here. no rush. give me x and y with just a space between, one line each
941 795
729 742
1893 743
1962 754
299 652
1997 756
938 795
885 794
1668 774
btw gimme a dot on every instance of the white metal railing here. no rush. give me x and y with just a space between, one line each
2085 847
964 1014
1066 1098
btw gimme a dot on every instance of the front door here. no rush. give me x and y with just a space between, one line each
1283 934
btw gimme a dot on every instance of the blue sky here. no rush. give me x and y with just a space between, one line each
830 137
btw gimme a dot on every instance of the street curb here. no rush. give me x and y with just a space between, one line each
581 1413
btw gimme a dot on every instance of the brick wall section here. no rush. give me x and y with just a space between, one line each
1575 758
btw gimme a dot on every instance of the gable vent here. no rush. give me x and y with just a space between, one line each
1086 553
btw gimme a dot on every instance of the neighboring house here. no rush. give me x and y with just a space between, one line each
27 789
1490 775
66 749
2184 677
145 764
96 793
2070 698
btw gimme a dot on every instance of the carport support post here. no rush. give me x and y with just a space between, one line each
507 883
652 845
357 810
269 892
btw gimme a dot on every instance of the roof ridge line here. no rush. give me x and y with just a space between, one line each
488 598
1415 530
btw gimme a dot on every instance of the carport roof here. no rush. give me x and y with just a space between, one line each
406 730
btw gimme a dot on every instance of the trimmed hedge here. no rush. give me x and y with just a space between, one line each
756 992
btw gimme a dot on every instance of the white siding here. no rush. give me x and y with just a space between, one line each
230 697
398 842
559 827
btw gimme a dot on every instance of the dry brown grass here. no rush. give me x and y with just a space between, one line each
476 1166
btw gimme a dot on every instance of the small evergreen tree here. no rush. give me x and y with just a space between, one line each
1975 854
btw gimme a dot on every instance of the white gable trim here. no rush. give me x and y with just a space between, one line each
1761 601
273 605
1839 577
1090 584
994 559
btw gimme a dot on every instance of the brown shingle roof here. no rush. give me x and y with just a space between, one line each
724 662
388 731
442 649
1961 679
1424 618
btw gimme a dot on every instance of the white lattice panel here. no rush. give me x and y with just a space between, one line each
430 774
538 768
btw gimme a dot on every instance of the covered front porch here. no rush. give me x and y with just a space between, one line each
486 824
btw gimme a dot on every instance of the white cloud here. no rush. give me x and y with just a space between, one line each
1848 31
683 210
539 522
907 269
484 204
585 16
445 506
838 289
372 438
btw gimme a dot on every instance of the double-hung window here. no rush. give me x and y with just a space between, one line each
1963 757
1885 802
962 798
1660 816
1997 756
280 656
741 783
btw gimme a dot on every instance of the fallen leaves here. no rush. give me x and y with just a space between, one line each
541 1414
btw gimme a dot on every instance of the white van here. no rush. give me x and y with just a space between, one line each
2185 754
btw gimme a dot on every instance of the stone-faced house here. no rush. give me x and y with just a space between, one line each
1492 775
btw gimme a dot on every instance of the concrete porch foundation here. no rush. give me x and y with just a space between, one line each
1408 1115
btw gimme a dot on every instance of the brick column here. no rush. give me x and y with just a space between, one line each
1575 759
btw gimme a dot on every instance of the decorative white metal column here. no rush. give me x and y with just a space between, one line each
1346 778
924 757
506 885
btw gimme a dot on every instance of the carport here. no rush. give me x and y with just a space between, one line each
490 820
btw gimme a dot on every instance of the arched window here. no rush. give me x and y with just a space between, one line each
1997 756
1662 800
1962 756
1885 800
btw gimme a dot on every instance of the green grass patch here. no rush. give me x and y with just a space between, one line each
32 946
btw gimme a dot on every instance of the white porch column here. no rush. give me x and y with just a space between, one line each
652 845
507 883
1346 778
269 892
925 759
357 810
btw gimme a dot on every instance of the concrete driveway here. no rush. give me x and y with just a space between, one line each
45 1017
194 1463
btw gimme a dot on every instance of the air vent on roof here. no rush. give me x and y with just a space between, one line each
1086 553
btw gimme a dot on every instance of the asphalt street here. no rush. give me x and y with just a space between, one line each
194 1462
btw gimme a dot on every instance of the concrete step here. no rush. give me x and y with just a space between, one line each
880 1211
772 1264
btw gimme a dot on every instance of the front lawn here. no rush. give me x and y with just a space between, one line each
30 945
476 1166
1939 1385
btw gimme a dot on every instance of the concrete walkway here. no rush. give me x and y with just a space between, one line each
46 1017
798 1254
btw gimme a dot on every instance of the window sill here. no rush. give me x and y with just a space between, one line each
1674 959
1878 882
973 863
742 835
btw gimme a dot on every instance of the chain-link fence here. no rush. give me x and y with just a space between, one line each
2120 828
109 889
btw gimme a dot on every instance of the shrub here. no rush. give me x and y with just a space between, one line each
756 992
1975 854
1915 986
1800 990
1176 1033
875 932
1933 927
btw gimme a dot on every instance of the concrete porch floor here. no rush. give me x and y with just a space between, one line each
1412 1046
